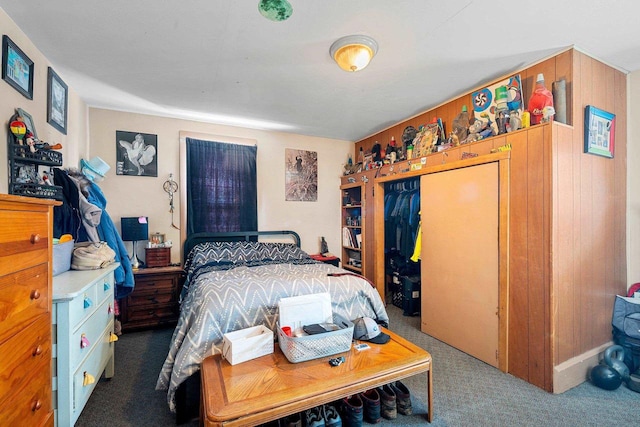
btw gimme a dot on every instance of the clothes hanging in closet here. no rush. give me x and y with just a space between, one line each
401 214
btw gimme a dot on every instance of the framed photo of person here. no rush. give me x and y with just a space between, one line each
136 153
57 92
17 68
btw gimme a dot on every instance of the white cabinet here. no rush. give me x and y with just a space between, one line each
83 338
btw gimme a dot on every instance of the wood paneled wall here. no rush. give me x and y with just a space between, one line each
567 241
589 245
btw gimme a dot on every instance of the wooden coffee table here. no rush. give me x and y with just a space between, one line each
270 387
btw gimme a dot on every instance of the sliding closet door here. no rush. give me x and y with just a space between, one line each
460 271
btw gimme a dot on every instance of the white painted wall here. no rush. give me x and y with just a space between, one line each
75 142
144 196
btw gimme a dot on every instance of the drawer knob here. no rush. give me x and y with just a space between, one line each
84 341
37 351
36 405
35 294
35 238
106 286
112 337
110 309
88 379
87 302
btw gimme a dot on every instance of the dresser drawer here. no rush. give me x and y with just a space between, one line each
93 365
24 356
88 335
104 289
25 243
83 306
30 407
23 297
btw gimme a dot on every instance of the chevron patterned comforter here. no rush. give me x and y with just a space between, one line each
235 285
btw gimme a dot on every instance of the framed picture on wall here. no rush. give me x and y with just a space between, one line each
17 68
301 175
136 153
599 132
57 102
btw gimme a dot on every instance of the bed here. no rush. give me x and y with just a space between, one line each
233 281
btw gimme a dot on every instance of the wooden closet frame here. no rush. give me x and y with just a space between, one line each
504 164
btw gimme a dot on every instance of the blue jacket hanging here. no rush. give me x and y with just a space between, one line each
108 233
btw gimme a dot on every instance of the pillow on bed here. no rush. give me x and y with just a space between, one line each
239 252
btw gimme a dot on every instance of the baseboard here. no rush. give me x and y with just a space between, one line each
575 371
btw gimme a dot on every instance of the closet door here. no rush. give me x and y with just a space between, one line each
460 271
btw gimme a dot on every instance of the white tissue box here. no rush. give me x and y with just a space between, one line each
246 344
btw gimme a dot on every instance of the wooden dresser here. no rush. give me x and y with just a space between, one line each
83 315
154 300
26 226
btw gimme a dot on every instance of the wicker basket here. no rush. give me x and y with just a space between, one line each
300 349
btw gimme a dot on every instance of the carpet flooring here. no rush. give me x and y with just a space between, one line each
467 392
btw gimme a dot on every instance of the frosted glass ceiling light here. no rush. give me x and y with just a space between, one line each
353 53
275 10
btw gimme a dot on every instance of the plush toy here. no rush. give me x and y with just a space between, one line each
31 142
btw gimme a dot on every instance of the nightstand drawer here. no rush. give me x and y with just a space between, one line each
158 296
153 314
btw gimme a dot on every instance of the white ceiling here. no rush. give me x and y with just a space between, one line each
220 61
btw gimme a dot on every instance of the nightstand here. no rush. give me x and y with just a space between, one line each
154 300
333 260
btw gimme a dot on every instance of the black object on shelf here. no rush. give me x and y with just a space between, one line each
24 170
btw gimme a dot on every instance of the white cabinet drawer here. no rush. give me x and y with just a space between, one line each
93 365
104 289
86 337
82 306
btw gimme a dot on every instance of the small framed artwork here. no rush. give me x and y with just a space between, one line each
136 153
599 132
56 101
28 121
17 68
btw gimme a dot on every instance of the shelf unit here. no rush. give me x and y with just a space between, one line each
352 207
24 170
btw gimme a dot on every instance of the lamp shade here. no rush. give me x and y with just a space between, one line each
353 53
134 228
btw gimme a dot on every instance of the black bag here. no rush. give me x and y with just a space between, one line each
631 350
626 316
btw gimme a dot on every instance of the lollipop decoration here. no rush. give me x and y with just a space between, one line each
18 129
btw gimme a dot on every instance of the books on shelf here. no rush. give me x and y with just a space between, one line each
351 237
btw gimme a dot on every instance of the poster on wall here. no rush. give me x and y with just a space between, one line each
136 153
484 100
301 175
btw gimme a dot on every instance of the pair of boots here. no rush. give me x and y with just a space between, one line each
375 404
394 398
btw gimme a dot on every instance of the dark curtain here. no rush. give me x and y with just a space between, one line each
222 190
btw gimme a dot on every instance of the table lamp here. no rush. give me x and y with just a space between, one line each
134 229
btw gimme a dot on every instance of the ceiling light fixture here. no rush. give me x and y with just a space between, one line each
275 10
353 53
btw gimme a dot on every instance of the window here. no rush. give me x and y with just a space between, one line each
221 186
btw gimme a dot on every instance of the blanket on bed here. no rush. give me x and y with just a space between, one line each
228 296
